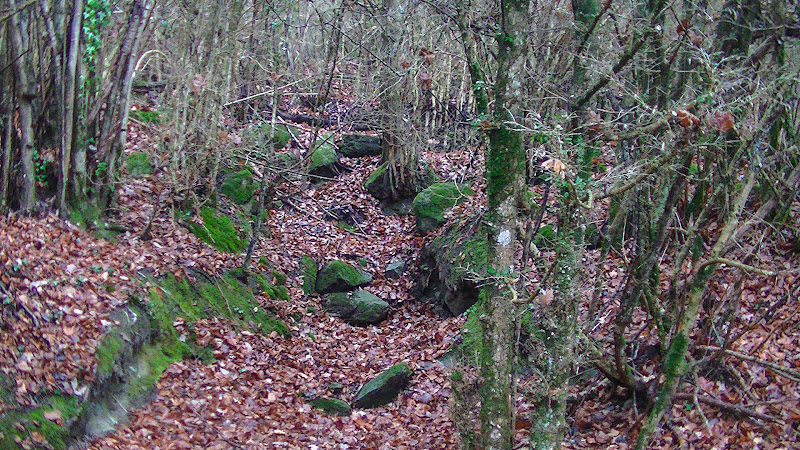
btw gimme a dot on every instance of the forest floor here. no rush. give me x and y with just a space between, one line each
249 397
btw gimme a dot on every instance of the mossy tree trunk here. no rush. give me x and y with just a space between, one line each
505 173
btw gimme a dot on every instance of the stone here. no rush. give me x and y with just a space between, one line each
358 308
395 269
360 145
325 160
430 204
449 266
384 388
331 406
338 276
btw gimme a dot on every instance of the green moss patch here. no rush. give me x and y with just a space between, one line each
218 231
383 388
108 354
50 421
138 164
310 269
283 134
338 276
331 406
430 204
145 116
239 186
324 159
223 297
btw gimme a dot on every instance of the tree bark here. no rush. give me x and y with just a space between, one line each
399 149
114 130
25 95
70 93
505 173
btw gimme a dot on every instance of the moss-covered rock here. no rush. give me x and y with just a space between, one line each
430 204
239 186
325 159
218 231
338 276
379 184
310 269
450 267
359 145
283 134
357 308
49 423
138 164
222 297
331 406
383 388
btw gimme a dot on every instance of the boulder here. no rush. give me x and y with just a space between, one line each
338 276
357 308
395 269
378 184
331 406
325 160
283 134
384 388
430 204
450 265
360 145
238 186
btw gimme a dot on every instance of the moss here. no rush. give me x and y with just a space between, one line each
239 186
153 361
338 276
383 388
310 269
20 424
283 134
145 116
108 353
375 176
218 231
506 159
324 155
225 297
545 238
331 406
138 164
430 204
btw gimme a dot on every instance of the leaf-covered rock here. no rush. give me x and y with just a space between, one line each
384 388
430 204
338 276
357 308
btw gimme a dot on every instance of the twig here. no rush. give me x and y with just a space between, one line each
725 406
786 372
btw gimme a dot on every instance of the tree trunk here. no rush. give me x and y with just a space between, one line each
400 152
70 93
25 95
505 174
114 130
